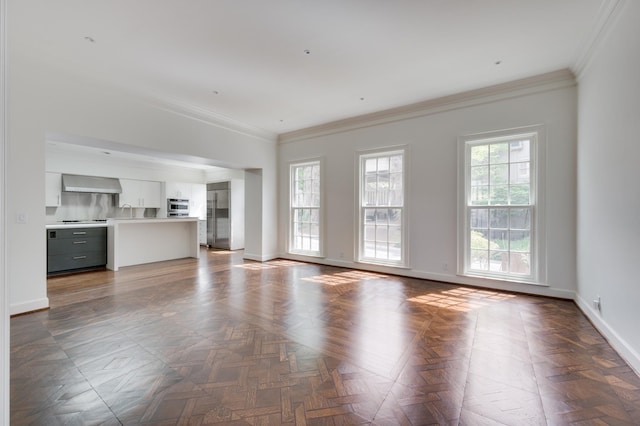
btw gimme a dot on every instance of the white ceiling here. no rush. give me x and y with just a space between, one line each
245 60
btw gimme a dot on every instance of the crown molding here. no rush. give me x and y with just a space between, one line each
536 84
608 14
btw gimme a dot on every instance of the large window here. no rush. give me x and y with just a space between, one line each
501 206
382 208
305 212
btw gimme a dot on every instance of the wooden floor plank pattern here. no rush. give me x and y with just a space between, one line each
221 340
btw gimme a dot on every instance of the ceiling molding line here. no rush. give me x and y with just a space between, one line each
608 14
208 117
536 84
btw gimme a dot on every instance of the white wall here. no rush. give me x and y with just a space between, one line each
61 160
432 186
43 101
608 179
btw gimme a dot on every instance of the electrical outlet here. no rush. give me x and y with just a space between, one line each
445 267
596 304
22 218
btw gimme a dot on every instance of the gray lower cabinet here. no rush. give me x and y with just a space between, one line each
76 248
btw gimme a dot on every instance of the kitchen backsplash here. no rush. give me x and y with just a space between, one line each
83 206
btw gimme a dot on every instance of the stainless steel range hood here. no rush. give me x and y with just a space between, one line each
94 184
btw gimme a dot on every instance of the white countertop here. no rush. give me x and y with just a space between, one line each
118 220
60 225
124 220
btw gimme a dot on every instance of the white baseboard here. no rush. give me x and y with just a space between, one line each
538 290
618 343
258 257
29 306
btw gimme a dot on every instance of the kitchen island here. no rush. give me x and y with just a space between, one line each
145 240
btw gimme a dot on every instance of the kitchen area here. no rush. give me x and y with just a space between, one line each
113 209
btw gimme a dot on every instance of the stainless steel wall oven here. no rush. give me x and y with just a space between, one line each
177 207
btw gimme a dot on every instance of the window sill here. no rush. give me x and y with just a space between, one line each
386 264
306 254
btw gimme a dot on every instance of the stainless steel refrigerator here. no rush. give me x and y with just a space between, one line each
218 217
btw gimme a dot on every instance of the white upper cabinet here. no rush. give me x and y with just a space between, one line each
178 190
140 193
53 189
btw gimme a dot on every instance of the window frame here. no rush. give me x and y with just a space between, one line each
537 166
292 208
360 160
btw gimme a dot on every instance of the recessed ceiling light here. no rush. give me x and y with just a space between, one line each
90 39
106 152
498 62
362 99
215 92
307 51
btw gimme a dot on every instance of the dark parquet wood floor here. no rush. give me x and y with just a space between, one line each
220 340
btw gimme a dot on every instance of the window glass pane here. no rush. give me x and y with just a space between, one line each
519 173
520 241
499 194
499 261
479 155
382 216
479 260
479 218
369 249
499 174
369 233
371 165
395 234
383 164
479 175
395 252
370 216
479 240
396 163
520 219
499 218
519 263
520 151
395 181
499 239
381 234
395 217
519 194
480 195
499 153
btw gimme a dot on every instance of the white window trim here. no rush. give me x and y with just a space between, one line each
359 250
321 210
537 178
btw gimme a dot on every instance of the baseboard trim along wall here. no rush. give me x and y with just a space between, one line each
259 258
537 290
29 306
619 344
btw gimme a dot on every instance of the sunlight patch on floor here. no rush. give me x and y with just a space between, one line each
461 299
341 278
